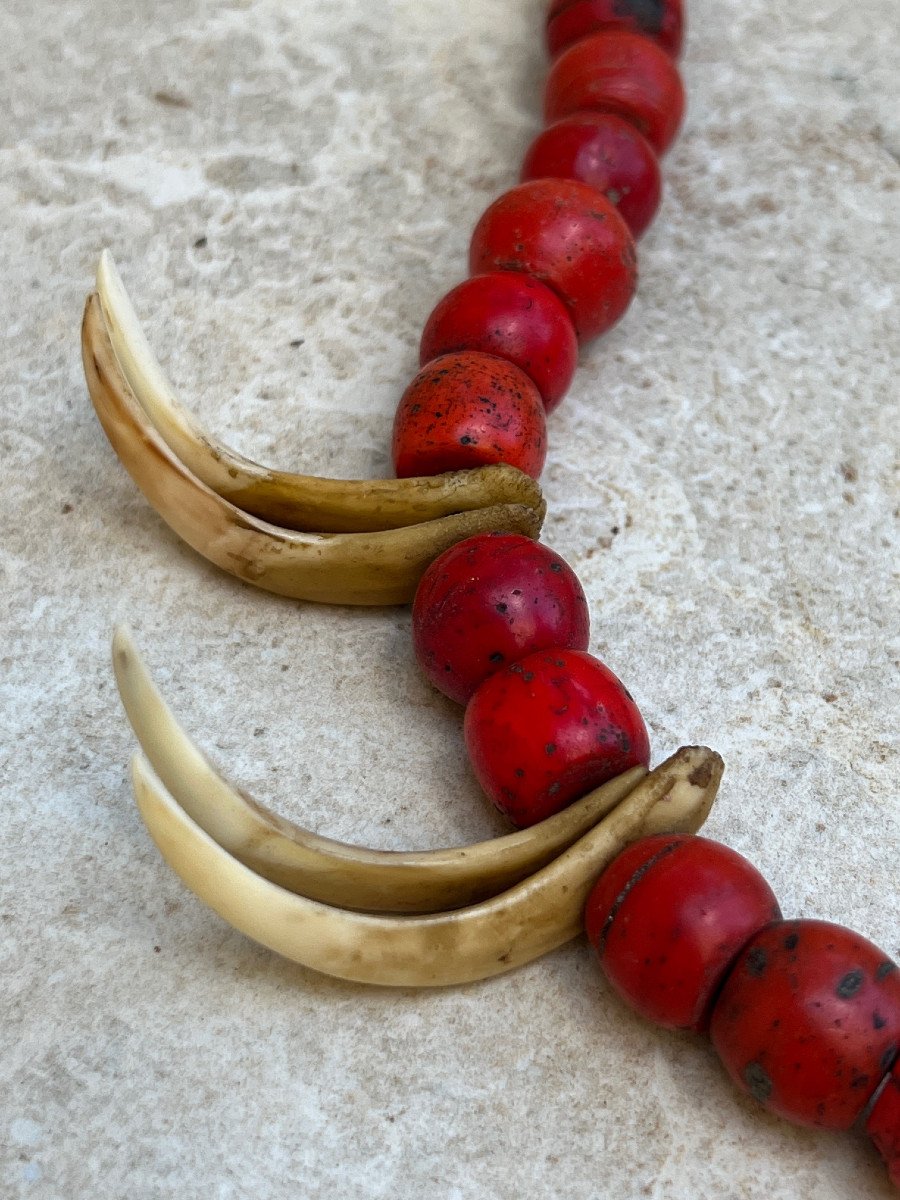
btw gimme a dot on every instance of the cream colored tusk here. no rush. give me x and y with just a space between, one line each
334 872
293 501
442 949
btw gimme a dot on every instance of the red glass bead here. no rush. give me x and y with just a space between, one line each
660 20
808 1021
548 729
489 601
622 73
667 919
514 317
567 235
883 1125
607 152
469 410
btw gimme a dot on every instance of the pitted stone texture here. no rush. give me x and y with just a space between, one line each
288 188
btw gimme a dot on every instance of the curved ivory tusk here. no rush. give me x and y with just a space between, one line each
486 939
350 568
318 867
294 501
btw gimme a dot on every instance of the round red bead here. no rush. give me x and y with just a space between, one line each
660 20
548 729
514 317
567 235
607 152
667 919
622 73
489 601
469 410
808 1021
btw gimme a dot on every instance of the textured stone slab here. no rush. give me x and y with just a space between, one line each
288 188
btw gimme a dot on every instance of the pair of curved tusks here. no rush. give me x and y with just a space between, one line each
326 870
499 932
336 541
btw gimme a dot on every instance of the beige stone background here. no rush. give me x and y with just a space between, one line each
265 172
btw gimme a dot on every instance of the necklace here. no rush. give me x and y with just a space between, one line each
560 276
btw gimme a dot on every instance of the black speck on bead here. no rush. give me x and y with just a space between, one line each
758 1082
878 1021
884 969
849 985
501 608
550 748
555 566
648 14
757 961
496 657
790 942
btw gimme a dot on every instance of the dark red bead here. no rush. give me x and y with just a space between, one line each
607 152
546 730
568 236
808 1021
489 601
622 73
469 410
511 316
667 919
571 20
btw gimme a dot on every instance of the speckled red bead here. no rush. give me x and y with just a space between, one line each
622 73
511 316
469 410
489 601
607 152
569 236
548 729
571 20
667 919
808 1021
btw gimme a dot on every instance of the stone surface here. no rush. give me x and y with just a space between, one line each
720 476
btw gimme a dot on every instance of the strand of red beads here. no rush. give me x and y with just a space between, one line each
804 1014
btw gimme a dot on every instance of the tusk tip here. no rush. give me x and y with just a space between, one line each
107 272
123 648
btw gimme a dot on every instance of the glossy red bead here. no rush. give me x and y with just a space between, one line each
883 1124
489 601
622 73
568 236
548 729
607 152
514 317
667 919
808 1021
469 410
661 21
